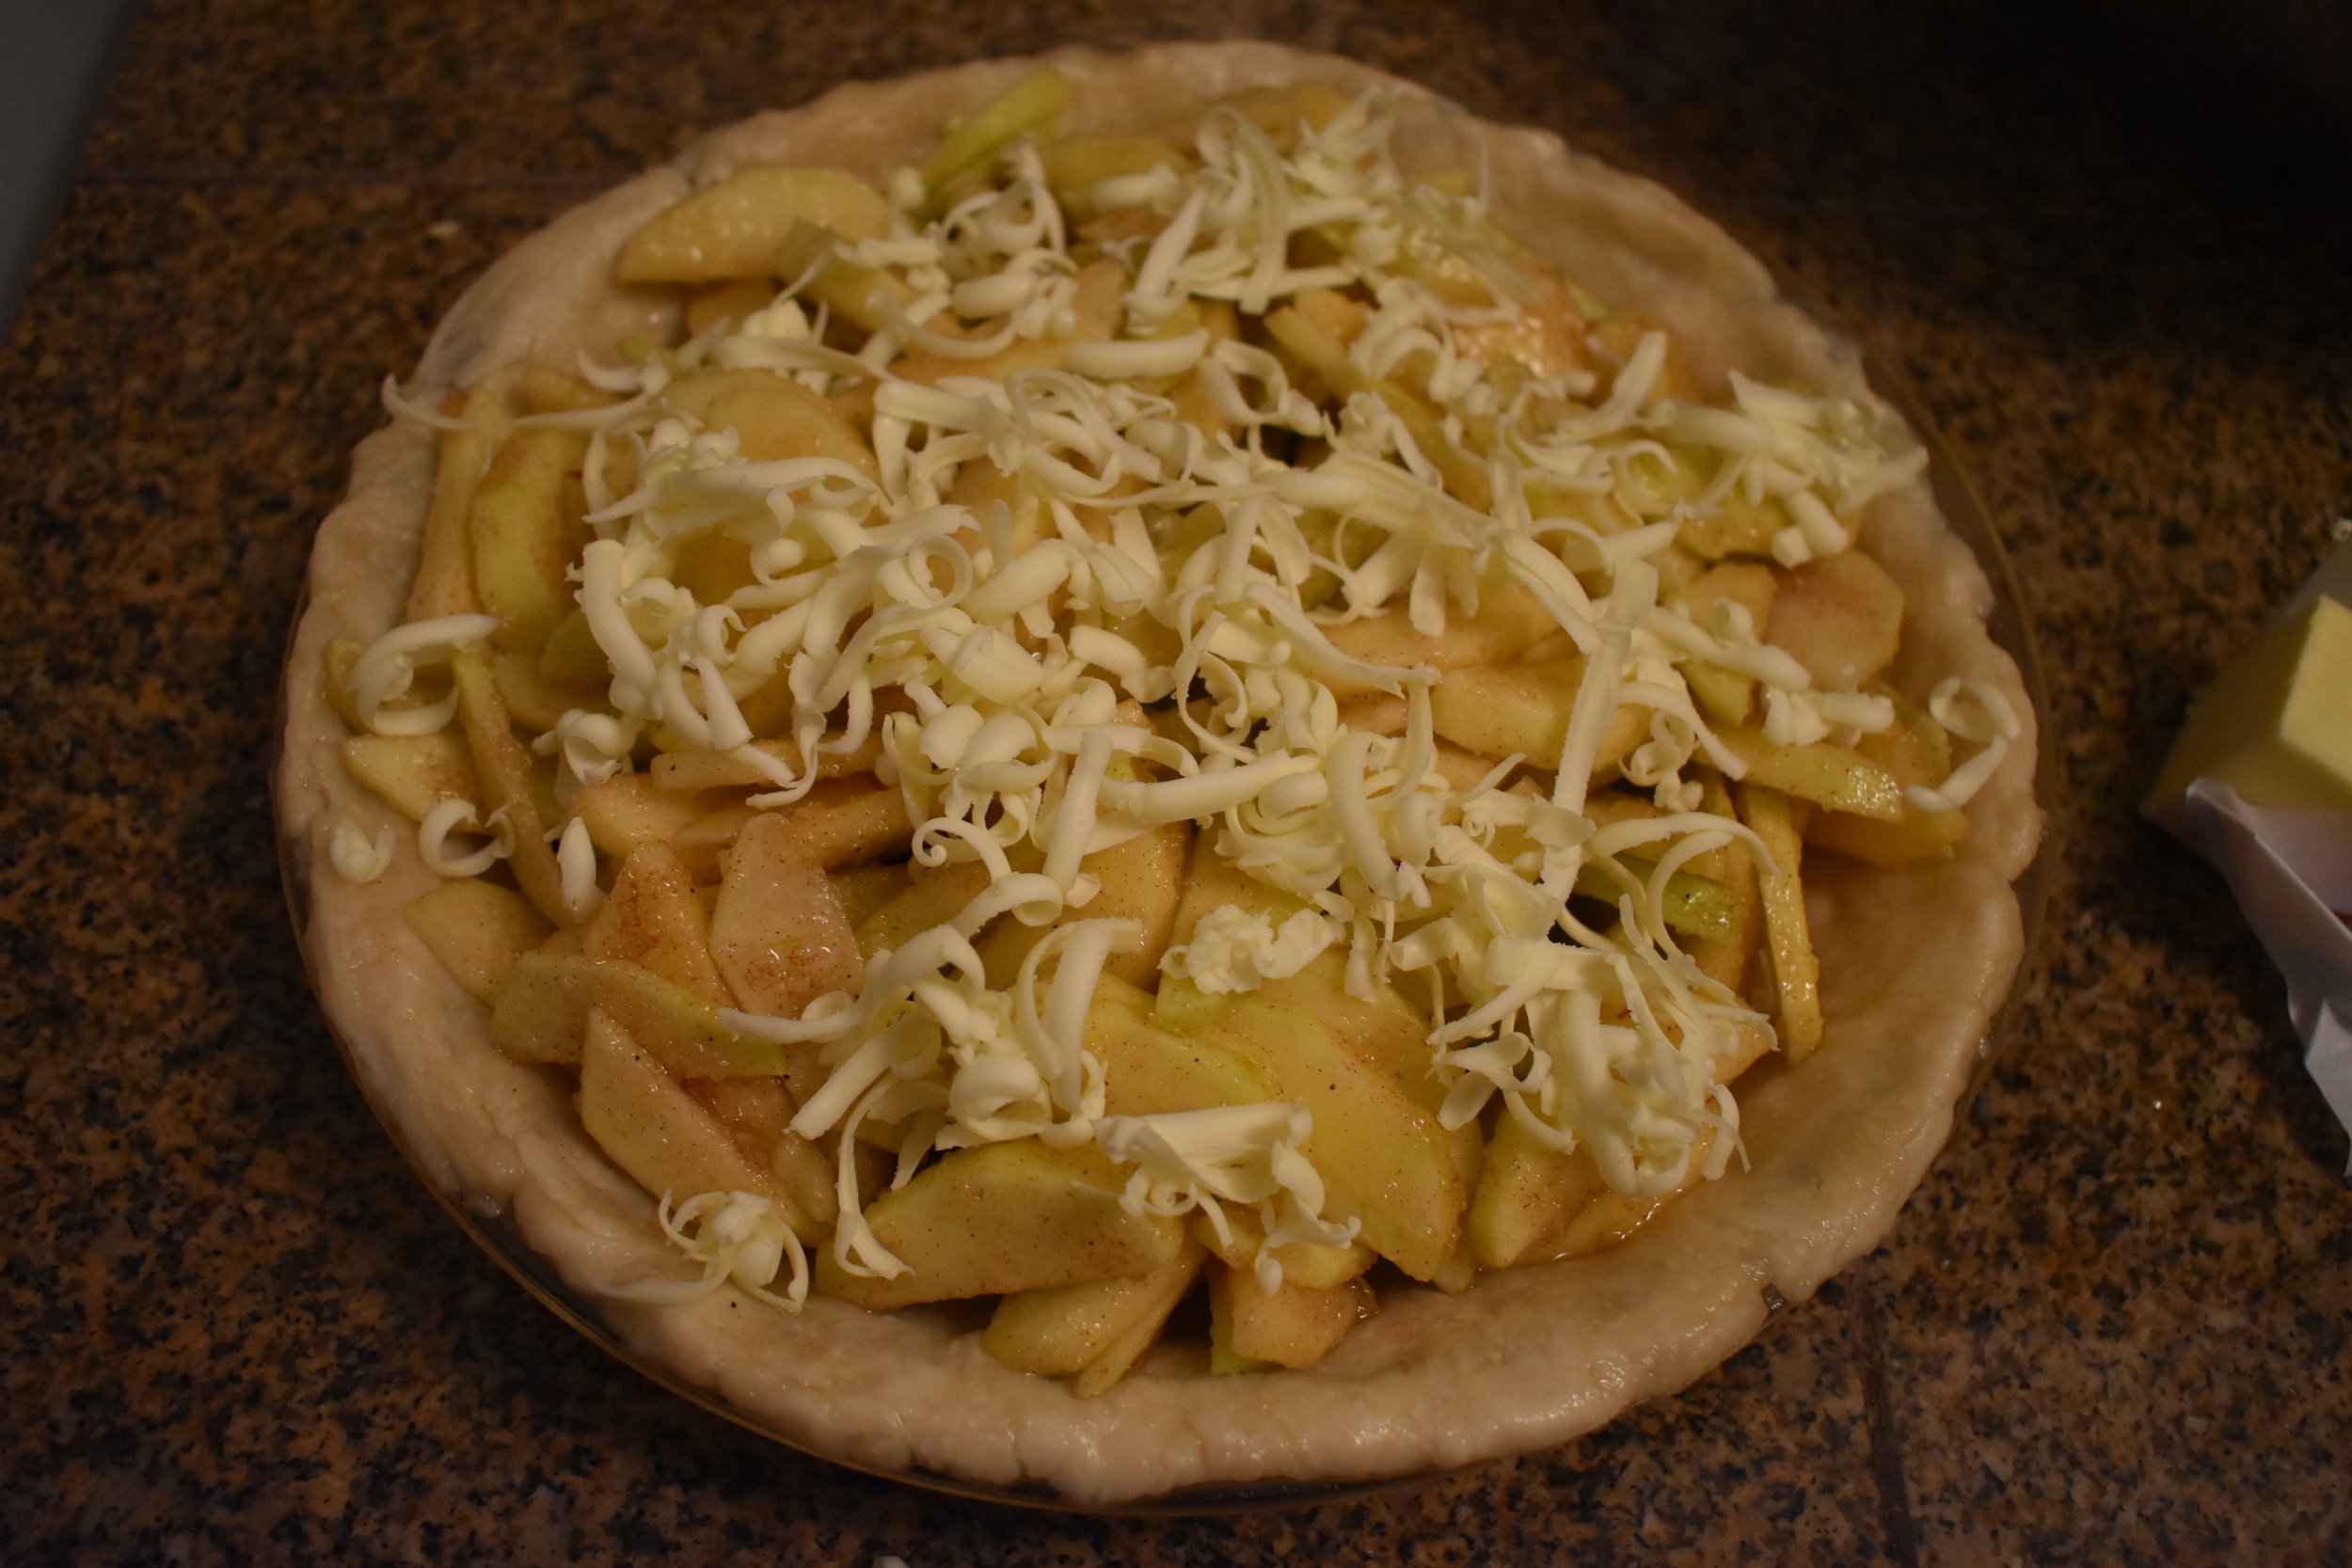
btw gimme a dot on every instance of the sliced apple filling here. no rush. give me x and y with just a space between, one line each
1126 716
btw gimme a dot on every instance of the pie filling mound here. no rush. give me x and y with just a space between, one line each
1033 699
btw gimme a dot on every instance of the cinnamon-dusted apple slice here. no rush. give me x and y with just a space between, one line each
1292 1325
654 917
771 418
1387 1162
1142 880
629 811
413 774
670 1144
934 895
759 1115
540 1012
1527 1192
510 783
777 932
1003 1217
1796 973
1826 774
1915 750
526 530
477 930
1498 710
1318 1265
1840 616
732 229
1072 1330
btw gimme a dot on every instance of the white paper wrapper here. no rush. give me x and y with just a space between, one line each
2291 871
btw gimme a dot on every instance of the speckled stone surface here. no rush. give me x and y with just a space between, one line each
2115 1326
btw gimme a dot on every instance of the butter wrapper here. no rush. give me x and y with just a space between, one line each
2277 863
2277 728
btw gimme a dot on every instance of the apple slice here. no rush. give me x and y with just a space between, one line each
667 1141
1143 881
864 890
1004 1217
841 287
1509 621
731 228
1388 1034
934 895
758 1113
1311 1263
1796 971
444 581
725 771
1916 751
1736 526
1838 777
1074 165
1149 1070
772 417
477 931
629 811
1292 1326
413 774
1527 1193
1495 710
777 932
510 783
1724 957
541 1010
526 529
1165 1288
1841 617
1065 1330
654 917
730 300
1324 356
972 144
1386 1162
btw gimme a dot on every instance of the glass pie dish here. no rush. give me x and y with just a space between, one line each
1364 1423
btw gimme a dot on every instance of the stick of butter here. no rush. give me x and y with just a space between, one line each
2275 724
2259 783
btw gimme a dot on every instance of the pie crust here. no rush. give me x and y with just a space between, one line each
1913 963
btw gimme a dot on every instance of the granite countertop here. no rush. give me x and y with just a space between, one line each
2115 1324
